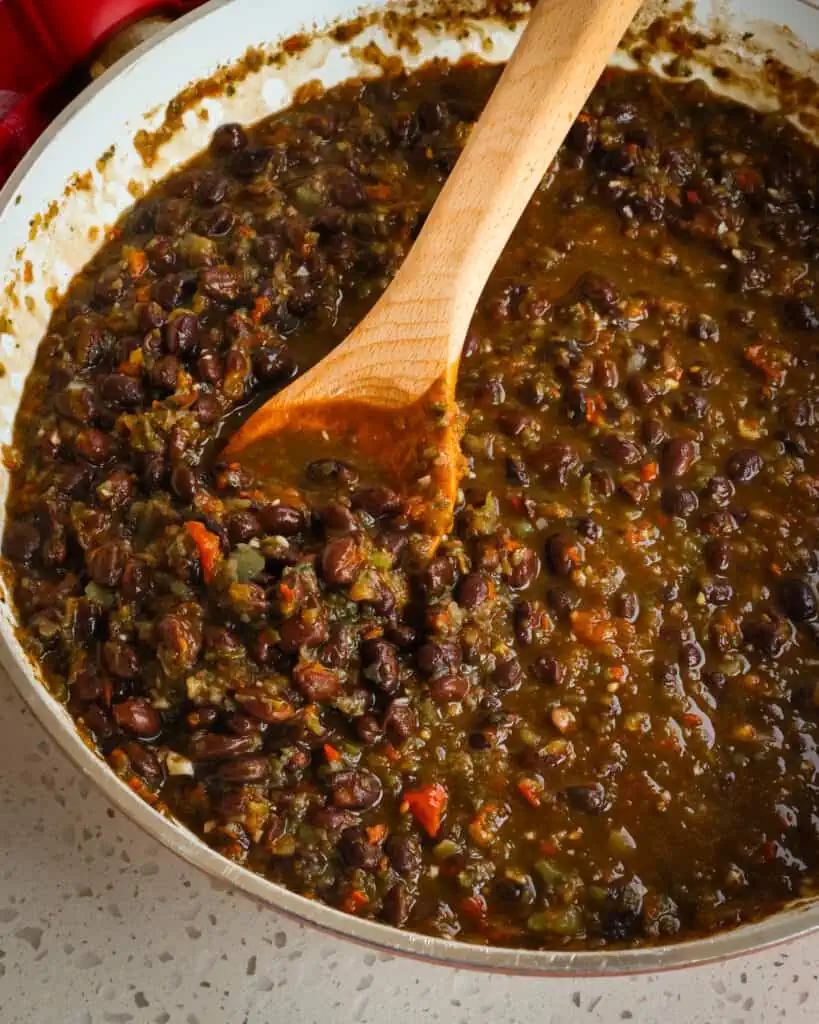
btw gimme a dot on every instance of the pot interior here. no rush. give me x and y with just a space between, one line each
86 172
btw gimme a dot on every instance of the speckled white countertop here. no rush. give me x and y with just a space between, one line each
100 925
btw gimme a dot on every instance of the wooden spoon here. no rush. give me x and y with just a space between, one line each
387 392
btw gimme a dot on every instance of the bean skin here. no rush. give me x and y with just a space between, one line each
743 465
449 688
679 502
563 552
213 747
21 542
473 591
620 450
379 665
438 656
341 561
678 456
798 600
138 717
244 770
356 790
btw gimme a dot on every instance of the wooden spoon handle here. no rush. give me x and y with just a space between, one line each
554 67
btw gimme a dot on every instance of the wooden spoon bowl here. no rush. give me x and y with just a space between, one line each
386 394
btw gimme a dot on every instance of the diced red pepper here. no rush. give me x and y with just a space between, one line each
427 806
210 548
530 790
354 901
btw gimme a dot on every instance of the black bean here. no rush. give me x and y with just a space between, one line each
798 599
106 563
548 670
215 747
268 249
139 717
404 853
473 591
769 634
404 637
154 472
356 789
121 659
751 277
679 502
379 665
228 138
717 591
184 482
325 471
718 554
516 472
397 905
338 518
802 315
591 798
526 618
341 561
144 762
507 674
300 630
643 392
524 568
244 770
719 490
273 363
582 136
357 851
208 409
679 455
181 334
95 446
282 520
439 656
99 721
249 162
315 682
654 433
555 462
563 553
21 541
562 601
619 450
692 655
243 526
627 606
449 688
400 719
209 368
164 373
368 729
214 223
599 290
437 577
377 501
348 192
743 465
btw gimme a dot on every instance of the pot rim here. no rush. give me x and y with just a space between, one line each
791 923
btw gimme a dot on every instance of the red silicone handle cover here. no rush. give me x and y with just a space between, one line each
42 39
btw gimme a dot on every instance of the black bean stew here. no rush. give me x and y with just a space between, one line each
592 718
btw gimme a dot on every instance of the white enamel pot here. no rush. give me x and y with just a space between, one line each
50 222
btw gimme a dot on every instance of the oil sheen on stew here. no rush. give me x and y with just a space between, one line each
592 718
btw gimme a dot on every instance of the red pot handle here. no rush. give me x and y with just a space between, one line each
42 39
